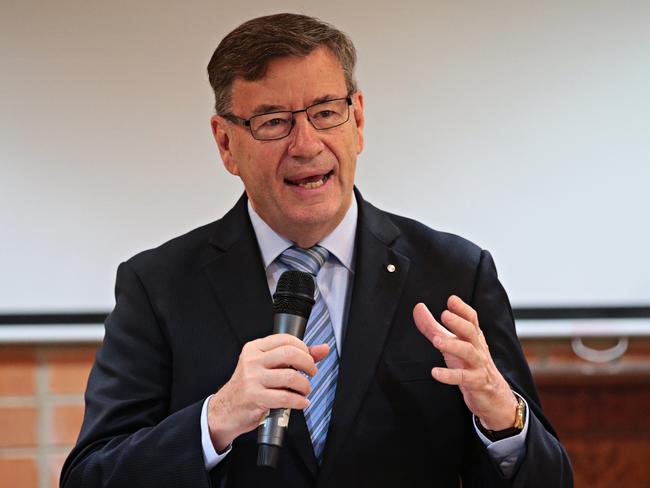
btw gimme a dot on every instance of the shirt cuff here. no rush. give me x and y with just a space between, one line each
508 452
210 456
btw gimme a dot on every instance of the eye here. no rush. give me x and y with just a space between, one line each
324 114
274 122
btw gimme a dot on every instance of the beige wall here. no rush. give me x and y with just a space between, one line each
524 126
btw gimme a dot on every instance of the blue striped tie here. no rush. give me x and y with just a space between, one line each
319 330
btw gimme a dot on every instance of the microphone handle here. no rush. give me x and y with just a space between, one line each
288 323
270 433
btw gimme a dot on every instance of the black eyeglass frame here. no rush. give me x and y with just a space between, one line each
247 122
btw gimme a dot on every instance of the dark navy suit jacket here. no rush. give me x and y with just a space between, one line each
184 310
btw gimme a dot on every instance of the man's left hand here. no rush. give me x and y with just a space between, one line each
469 363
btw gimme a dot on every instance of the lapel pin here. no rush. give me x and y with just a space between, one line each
390 268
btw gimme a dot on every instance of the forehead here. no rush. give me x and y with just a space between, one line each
291 83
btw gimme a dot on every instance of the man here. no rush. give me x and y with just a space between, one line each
382 393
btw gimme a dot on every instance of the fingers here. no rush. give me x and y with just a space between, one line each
462 358
458 340
287 378
276 340
288 356
269 374
283 380
460 349
449 376
460 308
469 364
279 398
462 328
462 320
426 323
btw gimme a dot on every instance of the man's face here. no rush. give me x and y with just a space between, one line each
300 185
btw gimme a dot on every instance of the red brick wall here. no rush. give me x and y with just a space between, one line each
41 409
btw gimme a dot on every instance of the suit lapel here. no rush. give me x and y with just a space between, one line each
375 294
238 279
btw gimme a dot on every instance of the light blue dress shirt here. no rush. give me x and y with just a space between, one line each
334 280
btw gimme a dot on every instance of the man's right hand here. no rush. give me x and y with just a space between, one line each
268 375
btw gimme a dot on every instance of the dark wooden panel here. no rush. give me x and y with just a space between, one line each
601 412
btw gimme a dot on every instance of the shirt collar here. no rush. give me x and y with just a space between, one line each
340 242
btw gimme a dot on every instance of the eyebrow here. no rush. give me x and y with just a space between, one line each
324 98
266 108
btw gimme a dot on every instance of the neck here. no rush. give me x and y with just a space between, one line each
305 236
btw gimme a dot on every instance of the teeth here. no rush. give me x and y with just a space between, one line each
314 184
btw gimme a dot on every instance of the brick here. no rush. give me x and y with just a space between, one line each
18 472
17 371
65 423
68 369
19 426
54 465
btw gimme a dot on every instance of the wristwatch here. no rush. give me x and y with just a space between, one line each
497 435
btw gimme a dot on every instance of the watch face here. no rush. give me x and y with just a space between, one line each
497 435
519 416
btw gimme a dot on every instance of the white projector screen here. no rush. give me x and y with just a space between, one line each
523 126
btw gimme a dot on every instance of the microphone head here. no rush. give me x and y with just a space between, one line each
294 294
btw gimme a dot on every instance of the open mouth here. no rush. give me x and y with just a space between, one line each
311 182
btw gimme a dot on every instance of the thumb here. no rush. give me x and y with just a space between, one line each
319 352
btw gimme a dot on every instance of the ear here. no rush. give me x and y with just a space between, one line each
359 118
222 132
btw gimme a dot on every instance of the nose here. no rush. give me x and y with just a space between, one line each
305 142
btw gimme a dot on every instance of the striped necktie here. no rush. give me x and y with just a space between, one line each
319 330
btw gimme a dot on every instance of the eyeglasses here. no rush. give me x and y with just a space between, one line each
277 125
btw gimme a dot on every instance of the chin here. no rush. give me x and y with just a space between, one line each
314 216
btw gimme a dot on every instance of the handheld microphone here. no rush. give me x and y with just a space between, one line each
292 303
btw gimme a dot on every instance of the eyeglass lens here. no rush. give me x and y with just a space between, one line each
276 125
